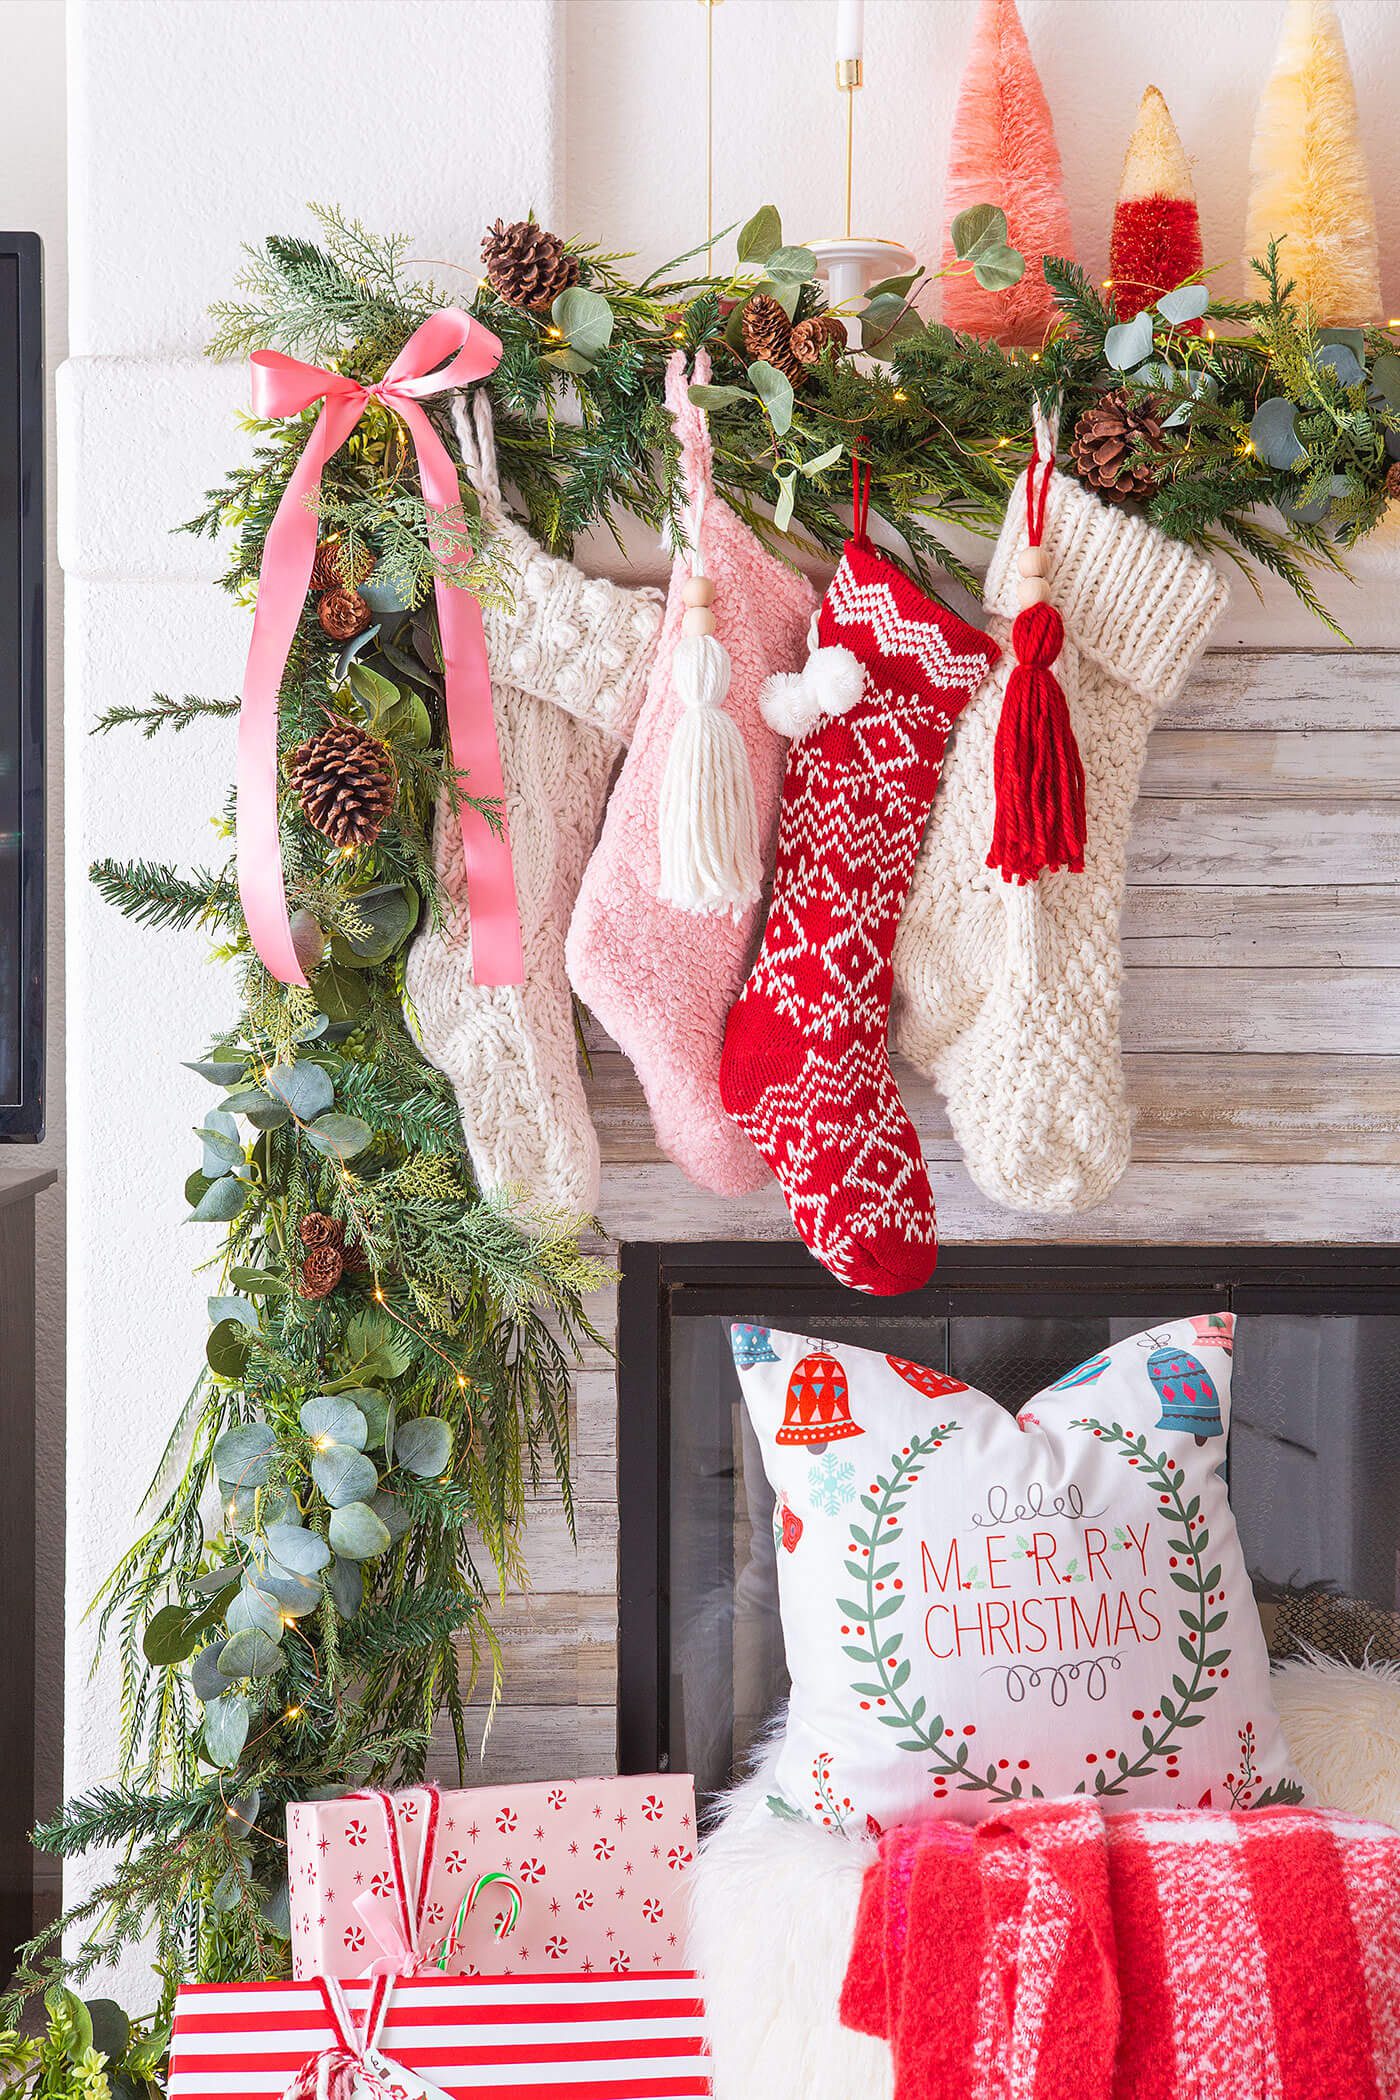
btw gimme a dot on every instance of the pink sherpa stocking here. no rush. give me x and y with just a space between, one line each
659 978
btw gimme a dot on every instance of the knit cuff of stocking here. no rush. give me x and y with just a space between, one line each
1136 602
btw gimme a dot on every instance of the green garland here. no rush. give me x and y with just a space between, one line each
371 1448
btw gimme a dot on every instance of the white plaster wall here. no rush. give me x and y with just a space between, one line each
198 124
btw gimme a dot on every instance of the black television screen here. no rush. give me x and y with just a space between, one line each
21 688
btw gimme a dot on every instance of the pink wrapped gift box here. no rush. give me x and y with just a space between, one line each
600 1866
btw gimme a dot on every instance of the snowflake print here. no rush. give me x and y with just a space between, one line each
356 1833
583 1898
653 1911
557 1797
456 1862
354 1938
652 1808
557 1947
620 1962
603 1848
832 1484
678 1856
507 1819
531 1870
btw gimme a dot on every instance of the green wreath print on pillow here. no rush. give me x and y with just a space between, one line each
979 1607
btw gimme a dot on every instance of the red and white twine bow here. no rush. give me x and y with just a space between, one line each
393 1918
352 2067
282 386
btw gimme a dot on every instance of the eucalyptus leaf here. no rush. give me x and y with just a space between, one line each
223 1149
1129 343
346 1583
902 286
718 396
981 226
249 1653
760 235
227 1892
774 390
372 1406
886 322
567 360
375 1346
292 1596
226 1729
1187 303
997 269
342 992
170 1637
207 1680
277 1910
111 2029
384 594
222 1199
242 1812
256 1282
823 460
424 1446
243 1455
250 1608
786 475
392 1514
237 1309
335 1417
222 1071
1354 340
351 649
339 1137
344 1475
584 319
196 1186
1385 378
215 1579
1339 358
305 1088
798 264
226 1350
1273 435
258 1106
786 290
299 1551
357 1533
247 1509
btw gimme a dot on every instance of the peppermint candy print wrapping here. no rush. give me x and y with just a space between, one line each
601 1864
599 2037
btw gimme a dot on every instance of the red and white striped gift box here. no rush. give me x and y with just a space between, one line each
599 2037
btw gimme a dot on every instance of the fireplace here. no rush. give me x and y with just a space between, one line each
1313 1457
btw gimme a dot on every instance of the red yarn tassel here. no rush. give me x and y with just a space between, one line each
1038 771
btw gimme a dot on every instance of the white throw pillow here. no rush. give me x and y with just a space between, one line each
978 1606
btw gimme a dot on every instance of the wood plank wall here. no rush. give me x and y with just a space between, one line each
1262 1045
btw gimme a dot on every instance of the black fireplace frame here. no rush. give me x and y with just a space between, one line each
663 1281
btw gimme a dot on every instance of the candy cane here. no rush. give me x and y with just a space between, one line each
504 1924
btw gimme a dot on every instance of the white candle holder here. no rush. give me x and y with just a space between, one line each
849 266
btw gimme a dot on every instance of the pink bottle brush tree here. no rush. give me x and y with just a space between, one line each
1003 149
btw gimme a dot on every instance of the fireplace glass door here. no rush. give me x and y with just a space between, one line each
1313 1456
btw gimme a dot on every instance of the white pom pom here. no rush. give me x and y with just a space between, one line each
836 678
788 705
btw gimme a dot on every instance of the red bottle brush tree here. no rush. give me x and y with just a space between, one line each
1156 240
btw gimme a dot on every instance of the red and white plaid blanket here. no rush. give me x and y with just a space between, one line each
1060 1954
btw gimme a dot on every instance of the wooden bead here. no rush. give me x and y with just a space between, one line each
1032 561
698 619
698 590
1035 591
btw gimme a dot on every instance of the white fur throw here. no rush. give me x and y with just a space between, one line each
773 1902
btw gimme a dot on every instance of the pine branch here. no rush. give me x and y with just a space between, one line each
154 894
165 713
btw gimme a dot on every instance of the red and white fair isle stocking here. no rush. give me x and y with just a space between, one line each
805 1070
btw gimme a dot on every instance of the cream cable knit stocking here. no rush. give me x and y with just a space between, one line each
569 666
1009 996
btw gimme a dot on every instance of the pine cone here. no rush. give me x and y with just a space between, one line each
820 338
329 571
321 1270
345 783
342 613
1107 436
1392 480
767 333
527 266
317 1230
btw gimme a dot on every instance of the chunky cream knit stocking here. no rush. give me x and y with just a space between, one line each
569 666
1009 995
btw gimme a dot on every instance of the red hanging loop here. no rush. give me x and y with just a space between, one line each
860 496
1039 775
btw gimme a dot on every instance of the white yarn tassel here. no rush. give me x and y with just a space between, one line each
708 817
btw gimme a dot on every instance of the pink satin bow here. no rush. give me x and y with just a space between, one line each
284 387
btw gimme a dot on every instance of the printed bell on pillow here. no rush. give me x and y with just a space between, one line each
817 1411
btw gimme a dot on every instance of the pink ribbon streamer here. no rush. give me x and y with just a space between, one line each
282 386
